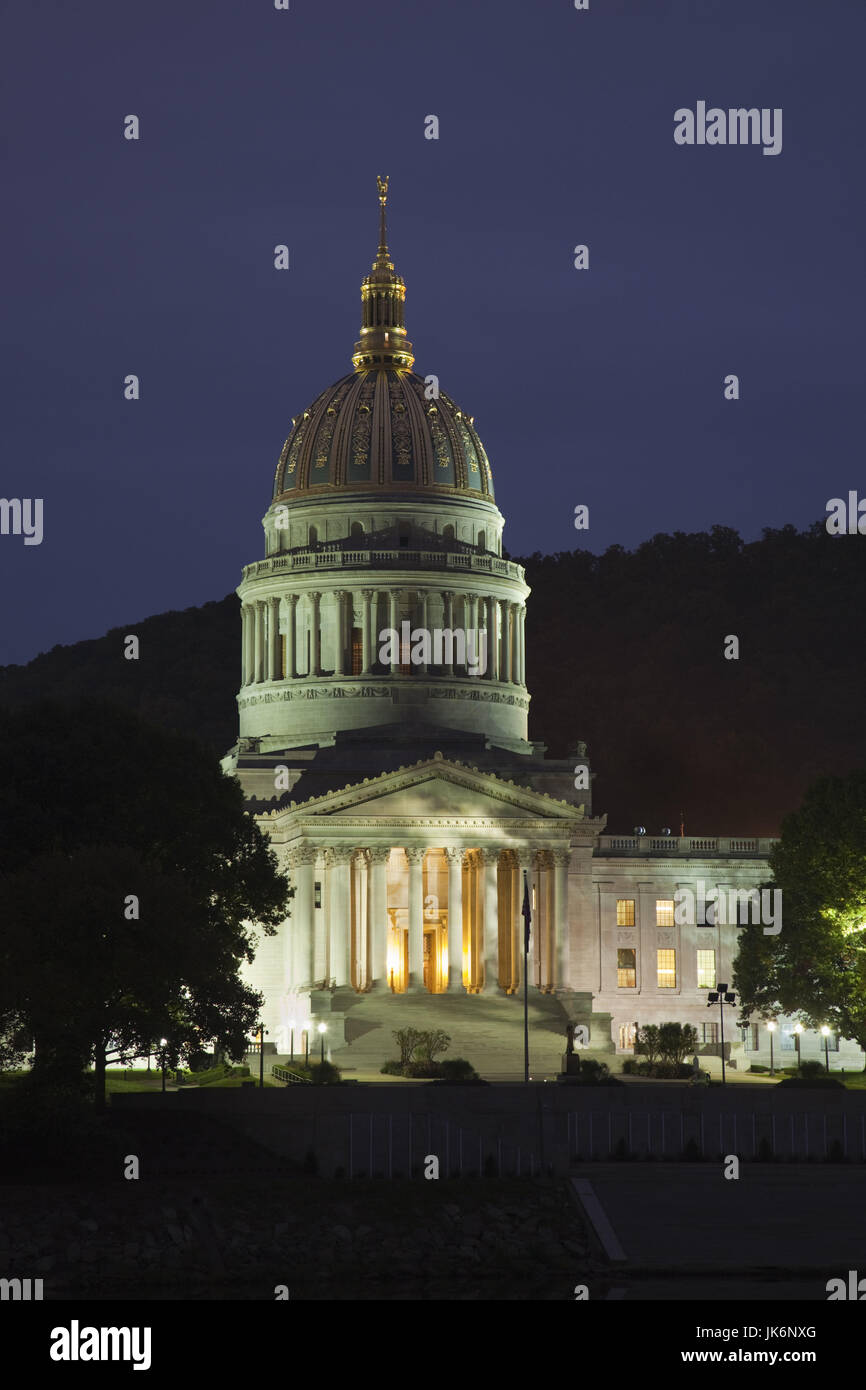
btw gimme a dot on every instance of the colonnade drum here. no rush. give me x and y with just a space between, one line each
412 918
337 632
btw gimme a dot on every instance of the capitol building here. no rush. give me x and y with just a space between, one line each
383 748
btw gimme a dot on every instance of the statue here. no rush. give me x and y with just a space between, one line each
569 1047
383 187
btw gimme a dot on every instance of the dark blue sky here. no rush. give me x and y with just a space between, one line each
261 127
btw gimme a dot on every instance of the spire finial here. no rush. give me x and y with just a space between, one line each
383 341
383 198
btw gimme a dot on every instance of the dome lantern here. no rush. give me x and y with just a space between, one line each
383 341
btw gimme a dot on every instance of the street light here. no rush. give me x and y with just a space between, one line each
771 1028
721 996
323 1028
798 1029
262 1031
163 1043
825 1033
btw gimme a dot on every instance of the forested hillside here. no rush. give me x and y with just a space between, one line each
624 650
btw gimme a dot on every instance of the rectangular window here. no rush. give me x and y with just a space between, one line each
664 912
317 894
756 1038
626 968
357 652
625 912
709 1032
788 1044
706 969
667 969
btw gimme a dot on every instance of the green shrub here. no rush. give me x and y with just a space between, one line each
631 1066
391 1068
457 1069
325 1074
812 1083
756 1067
813 1068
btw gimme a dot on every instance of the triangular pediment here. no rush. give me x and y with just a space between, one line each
435 788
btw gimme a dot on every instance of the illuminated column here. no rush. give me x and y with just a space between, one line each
360 971
504 651
472 621
379 918
292 603
539 918
302 917
316 653
339 632
547 959
454 961
448 625
416 919
394 624
488 864
515 645
366 633
339 912
559 918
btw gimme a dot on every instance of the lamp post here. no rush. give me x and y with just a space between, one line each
323 1028
291 1042
771 1028
262 1031
798 1028
825 1034
163 1043
307 1045
721 996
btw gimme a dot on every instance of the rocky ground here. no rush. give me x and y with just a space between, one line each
238 1238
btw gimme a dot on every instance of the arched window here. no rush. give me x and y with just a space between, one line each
482 540
313 536
403 533
356 529
448 533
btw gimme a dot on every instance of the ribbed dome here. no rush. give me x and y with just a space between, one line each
375 429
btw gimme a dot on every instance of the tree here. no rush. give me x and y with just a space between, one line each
648 1044
131 875
407 1039
815 967
433 1042
676 1040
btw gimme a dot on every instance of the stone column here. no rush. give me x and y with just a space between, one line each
521 628
423 666
360 957
274 654
489 859
340 914
515 646
448 625
455 918
472 623
493 640
302 919
394 624
292 603
246 661
316 652
379 856
257 641
366 621
559 919
339 631
416 919
504 651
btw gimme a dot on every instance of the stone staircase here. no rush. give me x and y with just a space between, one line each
485 1029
